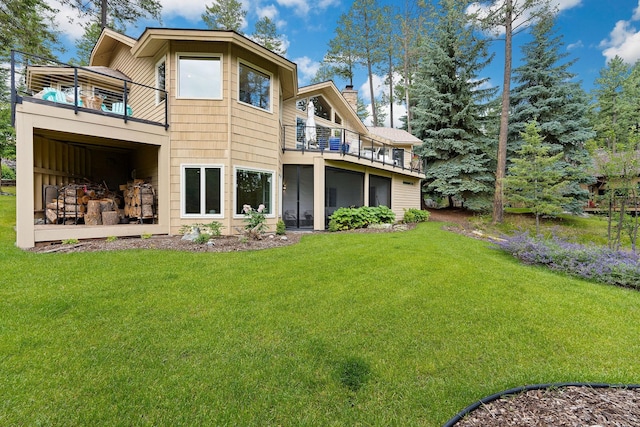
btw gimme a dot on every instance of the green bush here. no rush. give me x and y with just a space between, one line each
281 230
202 238
8 173
352 218
415 215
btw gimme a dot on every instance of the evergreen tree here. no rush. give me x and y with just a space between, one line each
363 39
267 35
116 12
612 116
536 181
512 16
224 15
448 115
545 91
341 58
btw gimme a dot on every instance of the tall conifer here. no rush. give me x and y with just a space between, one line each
448 115
546 91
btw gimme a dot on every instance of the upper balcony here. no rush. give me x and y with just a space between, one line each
94 90
352 146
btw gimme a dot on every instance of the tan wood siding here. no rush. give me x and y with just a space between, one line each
405 194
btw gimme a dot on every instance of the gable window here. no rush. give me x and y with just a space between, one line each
323 109
254 87
201 190
199 76
254 188
161 95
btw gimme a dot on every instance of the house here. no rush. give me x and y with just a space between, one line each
207 121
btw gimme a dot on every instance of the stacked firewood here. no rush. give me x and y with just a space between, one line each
95 204
138 199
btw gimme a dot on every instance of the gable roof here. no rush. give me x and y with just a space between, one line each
106 44
329 90
152 40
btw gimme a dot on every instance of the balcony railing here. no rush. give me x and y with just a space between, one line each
348 143
95 90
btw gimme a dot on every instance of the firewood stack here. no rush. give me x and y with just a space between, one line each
138 199
93 203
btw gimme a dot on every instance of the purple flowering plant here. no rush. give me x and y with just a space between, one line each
601 264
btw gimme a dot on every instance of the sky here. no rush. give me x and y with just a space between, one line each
593 32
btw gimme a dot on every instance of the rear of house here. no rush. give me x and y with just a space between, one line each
188 126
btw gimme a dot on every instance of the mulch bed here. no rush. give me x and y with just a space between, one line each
567 406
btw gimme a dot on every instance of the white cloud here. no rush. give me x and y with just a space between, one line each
307 69
301 7
576 45
270 11
483 9
636 13
623 41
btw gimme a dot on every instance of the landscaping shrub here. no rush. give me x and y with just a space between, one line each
281 229
352 218
587 261
415 215
8 173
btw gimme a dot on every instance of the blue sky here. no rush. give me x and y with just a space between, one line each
593 31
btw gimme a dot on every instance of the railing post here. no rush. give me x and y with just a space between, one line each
124 98
166 109
75 90
14 98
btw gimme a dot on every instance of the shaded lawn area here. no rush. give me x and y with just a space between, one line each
378 329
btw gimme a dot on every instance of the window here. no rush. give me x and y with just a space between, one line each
254 87
201 190
199 77
254 188
323 109
160 81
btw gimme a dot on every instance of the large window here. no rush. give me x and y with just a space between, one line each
160 81
199 76
254 87
201 190
254 188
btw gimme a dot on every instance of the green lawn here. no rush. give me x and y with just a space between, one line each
395 329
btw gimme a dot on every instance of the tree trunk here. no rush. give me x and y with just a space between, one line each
501 170
374 113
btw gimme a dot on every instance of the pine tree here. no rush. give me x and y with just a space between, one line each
545 91
116 12
512 16
224 15
536 181
267 35
448 115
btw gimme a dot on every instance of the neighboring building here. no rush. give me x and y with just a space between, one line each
211 121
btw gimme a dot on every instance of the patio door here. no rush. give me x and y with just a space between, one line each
297 196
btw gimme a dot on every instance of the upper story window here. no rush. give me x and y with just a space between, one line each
160 81
199 76
254 87
323 109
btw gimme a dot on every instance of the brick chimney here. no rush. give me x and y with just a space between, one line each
351 96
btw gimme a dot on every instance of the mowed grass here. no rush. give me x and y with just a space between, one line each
397 329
